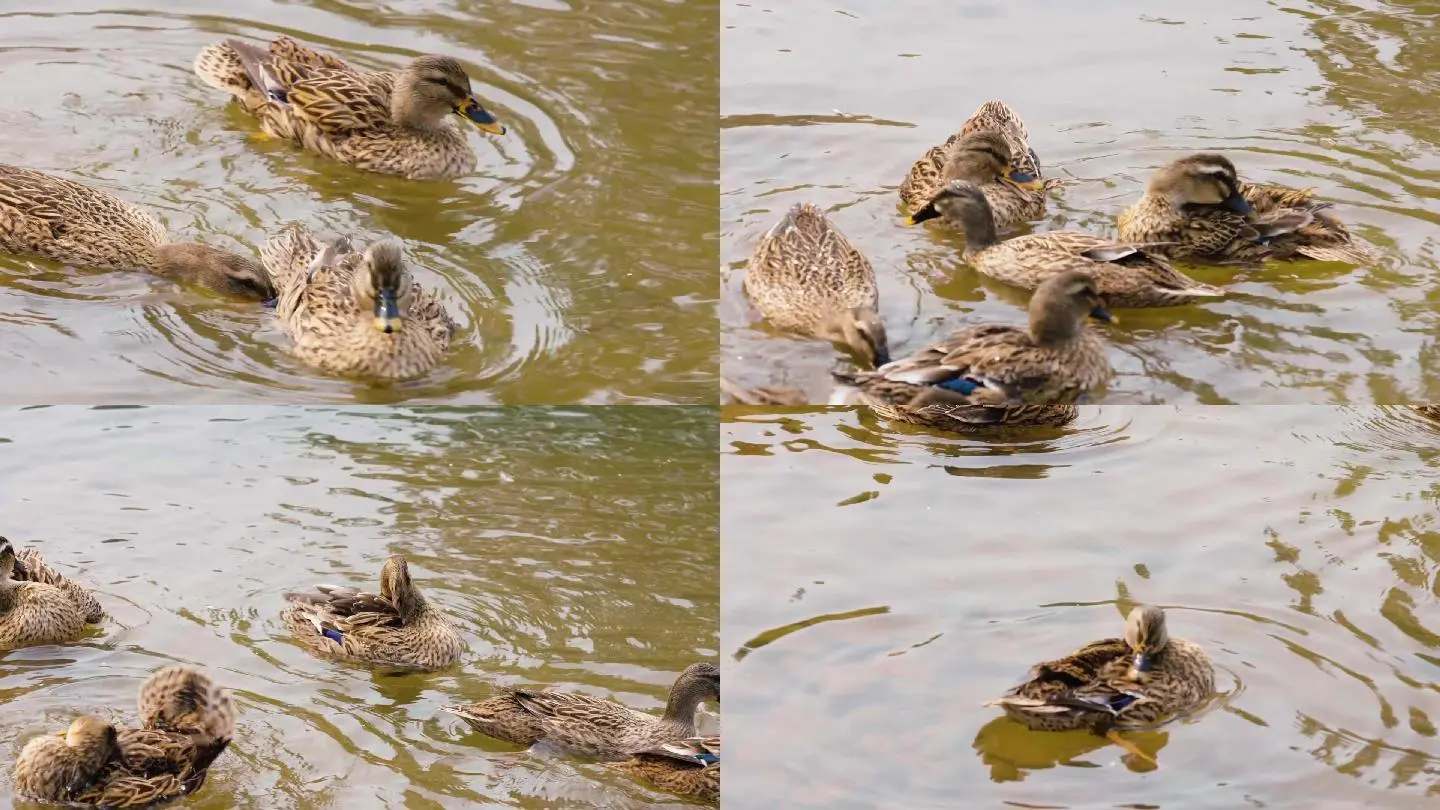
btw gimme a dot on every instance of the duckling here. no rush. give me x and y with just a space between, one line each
1115 683
1126 274
1197 207
396 627
187 721
806 277
30 566
354 314
589 726
389 123
972 377
991 150
689 767
64 221
34 614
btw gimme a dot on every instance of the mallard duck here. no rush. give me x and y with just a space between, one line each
1429 411
64 221
689 767
30 566
391 123
1126 274
186 721
355 314
806 277
1199 208
992 373
34 613
396 627
735 394
589 726
992 151
1115 683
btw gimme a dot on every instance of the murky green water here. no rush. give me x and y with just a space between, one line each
904 578
579 259
574 548
832 102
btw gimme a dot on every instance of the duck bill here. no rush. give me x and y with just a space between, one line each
1024 180
1142 663
471 111
1103 314
387 313
1237 203
928 212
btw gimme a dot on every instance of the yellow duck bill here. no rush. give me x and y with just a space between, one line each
471 110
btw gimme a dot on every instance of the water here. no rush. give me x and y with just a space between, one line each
574 549
907 577
833 102
578 259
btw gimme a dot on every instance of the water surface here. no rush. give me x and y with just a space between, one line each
832 102
574 549
903 578
578 259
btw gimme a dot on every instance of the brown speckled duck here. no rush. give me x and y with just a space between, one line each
992 151
1115 683
397 627
689 767
186 721
983 374
391 123
806 277
589 726
355 314
1198 208
1126 274
64 221
34 612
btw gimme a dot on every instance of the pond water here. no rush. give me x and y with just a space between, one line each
579 258
904 578
574 549
832 102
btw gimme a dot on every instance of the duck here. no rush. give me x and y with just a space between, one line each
395 123
992 151
688 767
1428 411
806 277
355 314
589 726
30 566
1115 683
1129 274
64 221
734 393
1198 208
982 374
34 613
186 722
397 627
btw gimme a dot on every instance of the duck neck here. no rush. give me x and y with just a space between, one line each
978 222
685 700
1050 331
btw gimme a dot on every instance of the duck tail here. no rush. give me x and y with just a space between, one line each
220 65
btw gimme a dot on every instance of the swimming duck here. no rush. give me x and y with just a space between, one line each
1199 208
589 726
355 314
396 627
983 374
1126 274
35 613
186 720
1115 683
689 767
30 566
992 151
64 221
806 277
391 123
